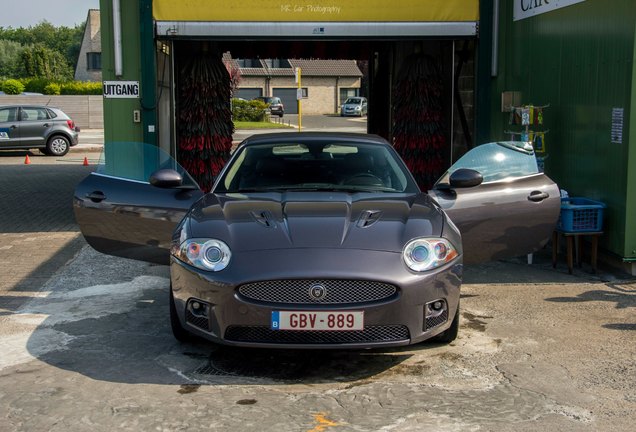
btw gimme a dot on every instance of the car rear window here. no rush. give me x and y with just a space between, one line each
7 114
34 113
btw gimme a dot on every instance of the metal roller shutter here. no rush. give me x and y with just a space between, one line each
288 96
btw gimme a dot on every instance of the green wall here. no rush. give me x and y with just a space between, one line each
118 113
578 59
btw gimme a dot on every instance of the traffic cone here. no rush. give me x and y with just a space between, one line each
27 161
85 161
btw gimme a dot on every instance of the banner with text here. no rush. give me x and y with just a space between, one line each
529 8
317 10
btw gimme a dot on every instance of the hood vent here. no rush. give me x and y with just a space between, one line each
264 218
368 218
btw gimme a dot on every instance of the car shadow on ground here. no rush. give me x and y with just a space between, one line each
14 153
113 325
137 346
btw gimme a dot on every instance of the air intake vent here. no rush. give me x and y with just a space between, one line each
368 218
264 218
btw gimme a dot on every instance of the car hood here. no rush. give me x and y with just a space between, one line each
248 222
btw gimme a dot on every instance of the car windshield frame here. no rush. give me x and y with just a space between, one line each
327 166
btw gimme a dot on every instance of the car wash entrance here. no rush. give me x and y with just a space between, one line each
416 52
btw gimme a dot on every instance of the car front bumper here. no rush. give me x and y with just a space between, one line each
234 319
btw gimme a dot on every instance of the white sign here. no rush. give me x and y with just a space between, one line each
529 8
121 89
299 94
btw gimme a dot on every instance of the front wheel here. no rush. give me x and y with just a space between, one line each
450 334
58 145
178 331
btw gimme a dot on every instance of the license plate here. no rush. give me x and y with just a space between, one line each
314 321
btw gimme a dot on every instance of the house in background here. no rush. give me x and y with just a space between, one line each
325 83
89 63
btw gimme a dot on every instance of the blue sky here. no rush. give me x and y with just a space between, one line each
24 13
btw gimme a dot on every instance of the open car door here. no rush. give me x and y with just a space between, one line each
501 203
121 213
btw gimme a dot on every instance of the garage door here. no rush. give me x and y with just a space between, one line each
249 93
288 96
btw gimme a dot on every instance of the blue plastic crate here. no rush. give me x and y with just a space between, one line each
580 215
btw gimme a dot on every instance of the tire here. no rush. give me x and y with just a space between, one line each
179 333
450 334
58 145
280 115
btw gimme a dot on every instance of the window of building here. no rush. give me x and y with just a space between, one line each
346 93
249 63
278 63
94 61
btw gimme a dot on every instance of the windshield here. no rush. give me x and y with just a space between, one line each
353 101
324 166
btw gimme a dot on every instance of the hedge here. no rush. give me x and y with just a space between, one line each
251 111
52 89
12 87
44 86
81 88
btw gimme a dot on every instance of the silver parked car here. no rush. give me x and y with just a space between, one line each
37 127
354 106
317 239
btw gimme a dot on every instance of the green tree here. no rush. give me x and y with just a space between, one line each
9 55
65 40
41 62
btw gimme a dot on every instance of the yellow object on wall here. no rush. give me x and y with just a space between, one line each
317 10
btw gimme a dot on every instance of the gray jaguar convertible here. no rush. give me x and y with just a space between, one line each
317 239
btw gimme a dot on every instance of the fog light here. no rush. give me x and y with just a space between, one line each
435 314
198 308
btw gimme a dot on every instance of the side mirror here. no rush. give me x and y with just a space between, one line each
166 179
465 178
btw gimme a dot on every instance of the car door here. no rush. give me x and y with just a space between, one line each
511 212
34 126
120 213
9 130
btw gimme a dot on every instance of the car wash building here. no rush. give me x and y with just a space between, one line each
149 43
478 59
576 59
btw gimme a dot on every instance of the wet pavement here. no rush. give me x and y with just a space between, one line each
86 345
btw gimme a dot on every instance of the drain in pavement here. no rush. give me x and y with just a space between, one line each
297 365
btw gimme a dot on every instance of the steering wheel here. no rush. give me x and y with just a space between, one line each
364 179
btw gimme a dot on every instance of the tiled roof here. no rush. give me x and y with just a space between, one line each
319 68
327 67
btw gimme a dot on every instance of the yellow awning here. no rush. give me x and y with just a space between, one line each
317 11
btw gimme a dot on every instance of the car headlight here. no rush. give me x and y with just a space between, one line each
424 254
205 254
